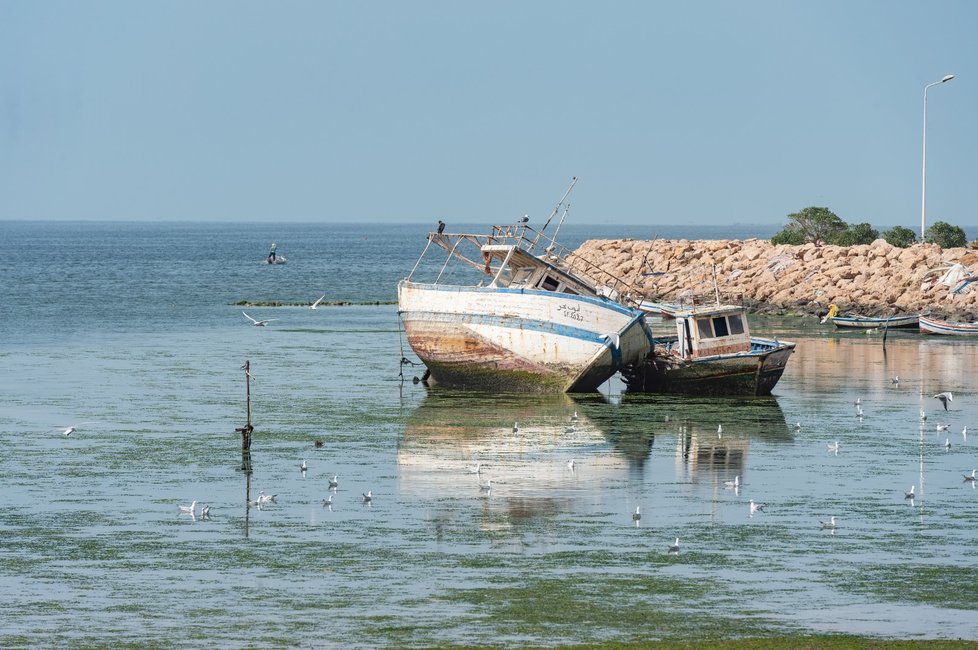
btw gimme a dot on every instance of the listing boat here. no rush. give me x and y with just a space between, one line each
870 322
937 326
712 353
503 313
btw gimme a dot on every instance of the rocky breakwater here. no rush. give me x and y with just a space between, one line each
873 279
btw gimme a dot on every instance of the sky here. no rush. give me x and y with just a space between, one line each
700 112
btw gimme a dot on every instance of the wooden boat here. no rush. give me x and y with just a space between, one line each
870 322
712 353
937 326
513 317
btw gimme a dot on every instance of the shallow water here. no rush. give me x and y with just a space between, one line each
132 334
94 548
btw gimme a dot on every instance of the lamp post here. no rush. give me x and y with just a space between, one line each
923 173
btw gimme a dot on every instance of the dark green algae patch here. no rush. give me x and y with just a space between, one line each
325 303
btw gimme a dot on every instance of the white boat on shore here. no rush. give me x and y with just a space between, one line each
501 314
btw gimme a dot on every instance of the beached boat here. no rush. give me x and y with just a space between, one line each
506 312
712 353
937 326
870 322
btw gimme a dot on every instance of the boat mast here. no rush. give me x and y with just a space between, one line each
553 214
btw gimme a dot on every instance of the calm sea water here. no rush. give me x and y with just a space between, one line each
131 333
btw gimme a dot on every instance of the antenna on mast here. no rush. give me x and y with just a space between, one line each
554 213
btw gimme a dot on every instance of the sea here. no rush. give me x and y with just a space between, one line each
135 335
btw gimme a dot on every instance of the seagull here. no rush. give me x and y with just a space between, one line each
516 427
830 524
964 433
971 478
895 380
859 412
942 427
923 415
797 426
303 467
333 482
266 498
69 431
573 418
732 485
205 512
487 486
945 397
570 428
910 494
720 428
756 507
858 401
674 548
834 447
636 516
259 323
947 443
476 469
368 497
188 510
318 444
315 305
328 502
570 464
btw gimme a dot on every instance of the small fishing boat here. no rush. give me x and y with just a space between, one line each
506 311
869 322
937 326
712 353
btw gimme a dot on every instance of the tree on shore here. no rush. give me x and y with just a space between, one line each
945 235
900 237
813 224
860 233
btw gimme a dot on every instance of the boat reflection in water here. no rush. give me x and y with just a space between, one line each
529 470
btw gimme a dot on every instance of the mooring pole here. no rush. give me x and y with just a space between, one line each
247 429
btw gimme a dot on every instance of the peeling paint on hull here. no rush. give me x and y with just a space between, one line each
754 373
534 341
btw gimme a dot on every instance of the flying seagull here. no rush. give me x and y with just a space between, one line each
259 323
945 397
315 305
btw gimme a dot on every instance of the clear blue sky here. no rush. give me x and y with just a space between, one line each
669 112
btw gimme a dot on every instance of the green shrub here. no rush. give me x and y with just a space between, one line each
860 233
791 235
945 235
900 237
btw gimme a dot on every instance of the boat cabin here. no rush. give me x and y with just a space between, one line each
709 331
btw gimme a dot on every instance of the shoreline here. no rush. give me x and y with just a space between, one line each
869 279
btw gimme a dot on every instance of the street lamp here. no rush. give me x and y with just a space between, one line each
923 173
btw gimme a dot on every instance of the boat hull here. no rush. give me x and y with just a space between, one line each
867 322
519 340
744 373
935 326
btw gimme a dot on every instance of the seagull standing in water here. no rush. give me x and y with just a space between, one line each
487 486
258 323
189 510
942 427
637 515
945 397
570 464
516 427
732 485
971 477
756 507
333 482
834 447
947 444
910 495
830 524
674 548
303 467
328 502
368 497
923 415
895 380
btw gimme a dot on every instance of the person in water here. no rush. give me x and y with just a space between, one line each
271 253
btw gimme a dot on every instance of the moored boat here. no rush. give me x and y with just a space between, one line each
936 326
712 353
870 322
506 312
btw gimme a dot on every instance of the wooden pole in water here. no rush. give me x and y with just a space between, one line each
247 429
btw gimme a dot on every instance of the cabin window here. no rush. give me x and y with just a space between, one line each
570 291
549 284
736 324
703 325
521 276
720 326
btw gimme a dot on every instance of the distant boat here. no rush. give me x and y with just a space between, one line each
279 259
712 353
507 312
870 322
936 326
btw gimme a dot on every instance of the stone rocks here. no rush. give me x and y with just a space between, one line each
872 279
